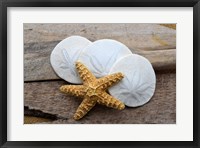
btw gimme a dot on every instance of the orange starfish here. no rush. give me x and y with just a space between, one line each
93 91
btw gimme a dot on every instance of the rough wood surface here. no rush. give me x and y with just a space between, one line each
37 60
157 43
161 59
40 40
45 96
135 36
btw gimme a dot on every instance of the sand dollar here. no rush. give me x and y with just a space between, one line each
138 85
64 56
100 56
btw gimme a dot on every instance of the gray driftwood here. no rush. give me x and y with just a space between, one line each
37 60
45 96
135 36
144 39
157 43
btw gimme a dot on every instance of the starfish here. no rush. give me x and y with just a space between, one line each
93 91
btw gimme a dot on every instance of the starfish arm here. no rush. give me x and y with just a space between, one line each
107 81
75 90
84 73
109 101
86 105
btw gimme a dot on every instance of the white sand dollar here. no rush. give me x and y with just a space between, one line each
100 56
138 85
64 56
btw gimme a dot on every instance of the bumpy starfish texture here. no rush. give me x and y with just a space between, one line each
93 91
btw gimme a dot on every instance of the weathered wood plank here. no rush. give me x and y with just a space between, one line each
37 60
40 39
45 96
161 59
135 36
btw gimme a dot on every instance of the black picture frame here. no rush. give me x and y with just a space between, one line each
99 3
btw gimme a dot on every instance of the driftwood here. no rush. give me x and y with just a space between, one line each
161 59
135 36
37 60
42 97
45 96
142 39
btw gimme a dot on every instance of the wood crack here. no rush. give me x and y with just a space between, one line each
41 114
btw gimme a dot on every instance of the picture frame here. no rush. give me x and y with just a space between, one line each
77 3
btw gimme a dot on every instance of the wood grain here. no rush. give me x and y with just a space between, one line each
37 60
41 88
161 59
144 39
135 36
45 96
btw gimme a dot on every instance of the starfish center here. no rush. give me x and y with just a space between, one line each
92 91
